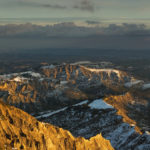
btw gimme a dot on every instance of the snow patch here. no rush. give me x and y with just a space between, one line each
49 67
81 103
37 75
147 132
18 76
108 71
63 82
8 76
33 74
99 104
146 86
19 79
52 113
132 83
81 63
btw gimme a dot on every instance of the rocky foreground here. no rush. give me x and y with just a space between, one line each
19 130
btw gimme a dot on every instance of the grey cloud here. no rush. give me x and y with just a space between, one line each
56 6
92 22
85 5
127 30
37 4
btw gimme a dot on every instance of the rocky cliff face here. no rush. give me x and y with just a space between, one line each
18 130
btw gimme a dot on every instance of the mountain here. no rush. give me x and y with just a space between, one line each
53 86
89 118
85 98
19 130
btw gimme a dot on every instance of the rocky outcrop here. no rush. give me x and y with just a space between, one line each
19 130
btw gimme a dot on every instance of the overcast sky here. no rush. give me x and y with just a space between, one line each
119 24
116 10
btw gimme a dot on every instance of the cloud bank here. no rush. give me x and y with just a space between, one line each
70 29
69 35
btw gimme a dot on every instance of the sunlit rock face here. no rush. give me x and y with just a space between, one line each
19 130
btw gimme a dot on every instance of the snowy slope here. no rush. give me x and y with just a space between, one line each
99 104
